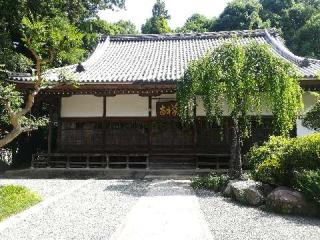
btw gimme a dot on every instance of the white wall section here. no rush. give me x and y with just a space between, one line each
82 106
131 105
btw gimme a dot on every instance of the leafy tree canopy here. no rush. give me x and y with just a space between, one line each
311 119
53 41
158 23
296 19
66 12
92 28
307 39
159 10
197 23
245 78
48 40
240 15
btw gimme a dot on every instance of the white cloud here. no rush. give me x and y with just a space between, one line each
139 10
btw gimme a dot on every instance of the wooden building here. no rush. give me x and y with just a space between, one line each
124 115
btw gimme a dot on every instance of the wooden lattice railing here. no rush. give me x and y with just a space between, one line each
89 160
130 161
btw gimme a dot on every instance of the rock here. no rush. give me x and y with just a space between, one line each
266 189
287 201
227 191
247 192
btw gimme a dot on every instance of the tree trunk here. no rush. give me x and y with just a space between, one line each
16 116
235 170
10 137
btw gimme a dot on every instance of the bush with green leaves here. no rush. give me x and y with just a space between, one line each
308 182
272 148
213 182
276 161
312 118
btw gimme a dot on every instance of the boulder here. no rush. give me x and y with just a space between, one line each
287 201
227 191
248 192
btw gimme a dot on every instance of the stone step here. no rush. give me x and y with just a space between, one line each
167 177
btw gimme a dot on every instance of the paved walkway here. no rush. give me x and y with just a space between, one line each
168 211
144 210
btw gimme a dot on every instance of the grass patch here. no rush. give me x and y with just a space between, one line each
14 199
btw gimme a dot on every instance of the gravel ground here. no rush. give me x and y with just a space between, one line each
228 220
161 209
92 212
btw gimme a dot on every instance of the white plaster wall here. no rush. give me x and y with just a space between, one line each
131 105
309 100
82 106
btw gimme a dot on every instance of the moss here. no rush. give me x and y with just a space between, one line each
14 199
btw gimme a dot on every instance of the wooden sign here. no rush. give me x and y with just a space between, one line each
167 109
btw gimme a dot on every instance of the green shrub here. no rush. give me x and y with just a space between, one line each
276 160
212 182
303 153
14 199
312 120
198 182
270 149
308 182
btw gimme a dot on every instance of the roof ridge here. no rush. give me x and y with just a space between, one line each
280 47
186 36
98 51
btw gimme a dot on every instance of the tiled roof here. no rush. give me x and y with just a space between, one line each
158 58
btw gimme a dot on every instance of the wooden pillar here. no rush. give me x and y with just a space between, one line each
59 122
50 135
104 106
149 129
104 124
195 150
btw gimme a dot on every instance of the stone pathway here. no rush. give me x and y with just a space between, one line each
168 211
144 210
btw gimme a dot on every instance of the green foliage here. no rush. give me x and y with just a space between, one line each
240 15
271 149
159 10
54 40
93 28
51 42
158 22
276 161
64 12
211 182
297 19
311 119
243 77
197 23
308 38
14 199
155 26
308 182
10 95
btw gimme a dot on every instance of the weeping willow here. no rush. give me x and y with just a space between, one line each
246 79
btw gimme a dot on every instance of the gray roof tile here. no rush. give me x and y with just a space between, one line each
156 58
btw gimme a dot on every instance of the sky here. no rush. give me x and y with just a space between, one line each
138 11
